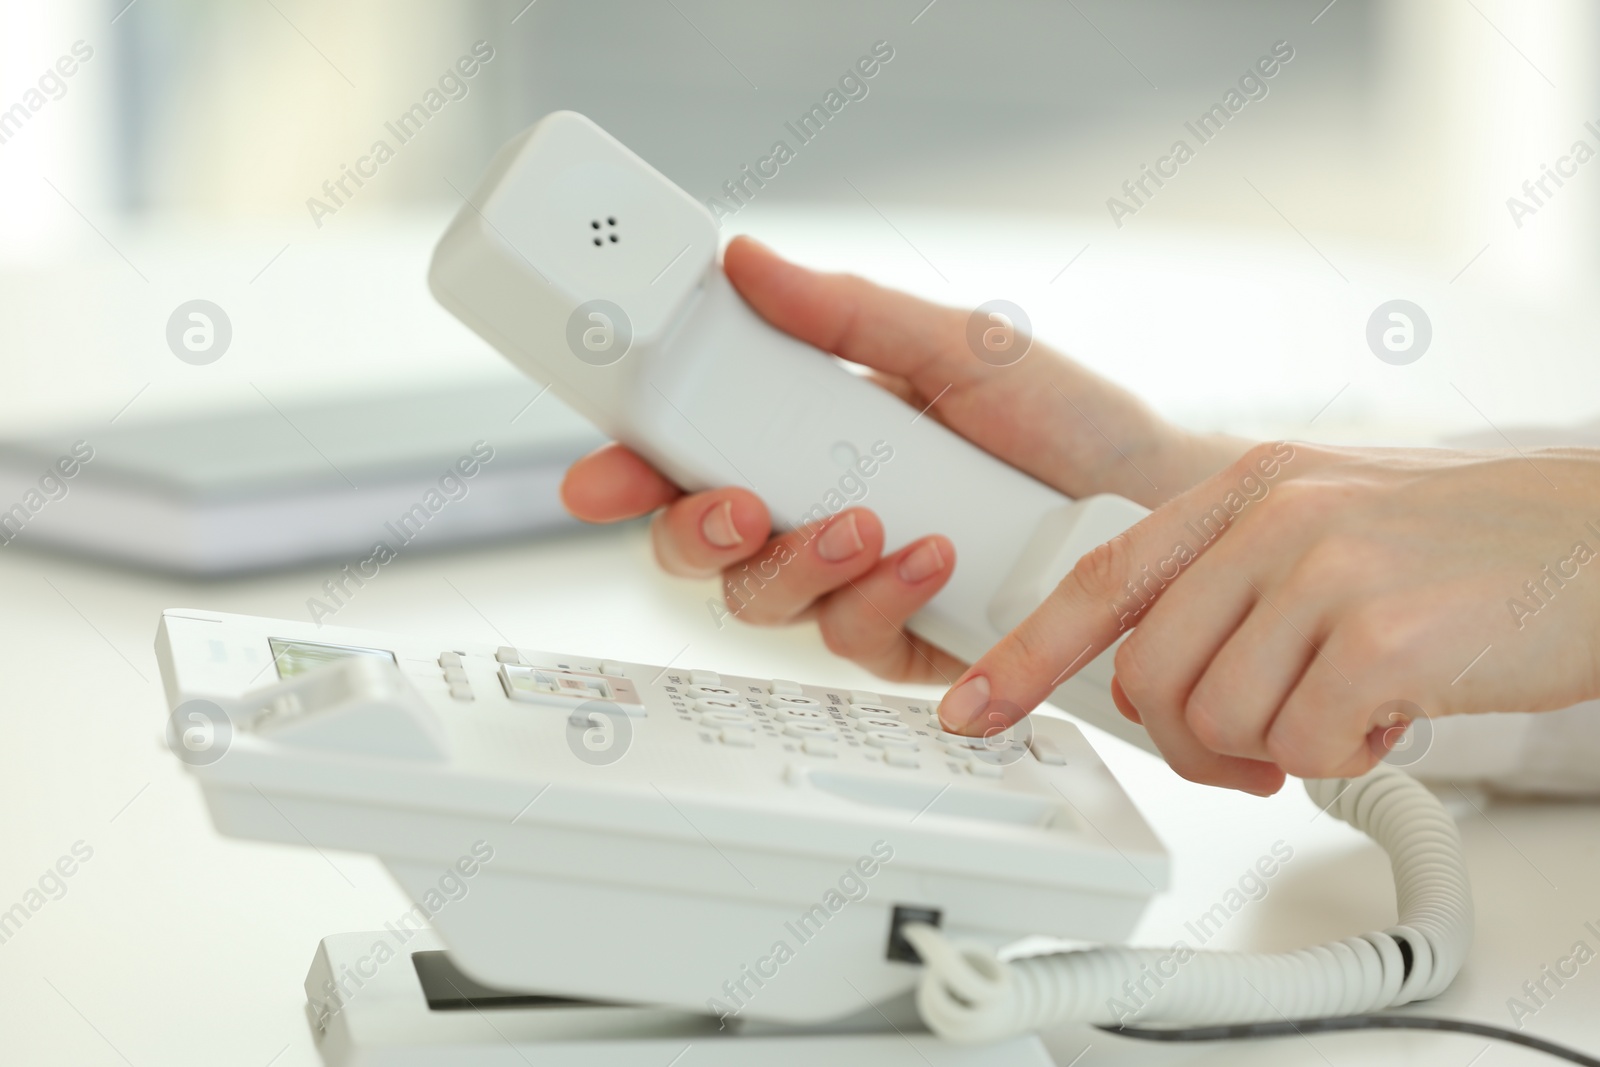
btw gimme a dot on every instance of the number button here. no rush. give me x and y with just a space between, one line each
872 711
887 725
728 720
722 704
811 730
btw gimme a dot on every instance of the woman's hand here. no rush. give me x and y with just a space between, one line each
1044 414
1293 612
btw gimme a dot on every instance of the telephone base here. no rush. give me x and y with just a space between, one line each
409 1007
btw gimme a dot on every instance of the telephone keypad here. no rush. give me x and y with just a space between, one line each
746 715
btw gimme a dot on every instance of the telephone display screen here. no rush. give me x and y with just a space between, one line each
298 657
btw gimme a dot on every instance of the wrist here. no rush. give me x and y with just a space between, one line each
1183 459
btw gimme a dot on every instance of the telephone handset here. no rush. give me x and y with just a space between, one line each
595 274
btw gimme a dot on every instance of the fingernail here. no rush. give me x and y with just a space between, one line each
963 704
840 540
717 527
923 562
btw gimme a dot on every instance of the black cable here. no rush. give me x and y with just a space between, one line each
1301 1027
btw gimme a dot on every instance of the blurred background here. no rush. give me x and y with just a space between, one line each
178 161
159 152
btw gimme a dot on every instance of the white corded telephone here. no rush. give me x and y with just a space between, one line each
625 860
740 849
620 854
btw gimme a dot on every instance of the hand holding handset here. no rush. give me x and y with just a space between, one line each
593 273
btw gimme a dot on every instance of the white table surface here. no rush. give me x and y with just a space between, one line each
173 945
